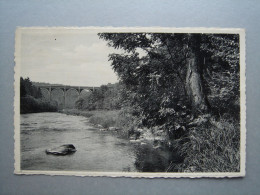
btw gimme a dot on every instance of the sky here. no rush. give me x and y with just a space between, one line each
66 57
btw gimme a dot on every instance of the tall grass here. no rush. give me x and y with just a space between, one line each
213 146
77 112
121 119
105 118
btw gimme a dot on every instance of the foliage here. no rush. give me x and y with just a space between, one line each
107 97
155 82
30 101
29 104
210 147
222 76
163 75
27 88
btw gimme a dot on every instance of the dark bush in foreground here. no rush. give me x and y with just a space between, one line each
30 104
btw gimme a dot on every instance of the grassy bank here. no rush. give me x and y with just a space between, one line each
209 145
115 120
212 146
104 118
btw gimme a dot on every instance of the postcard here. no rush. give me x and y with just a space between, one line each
130 102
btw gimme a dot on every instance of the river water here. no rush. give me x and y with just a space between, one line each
96 150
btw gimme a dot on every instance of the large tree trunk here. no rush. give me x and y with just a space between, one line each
194 86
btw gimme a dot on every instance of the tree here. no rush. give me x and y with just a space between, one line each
27 88
194 85
107 97
30 101
174 82
170 79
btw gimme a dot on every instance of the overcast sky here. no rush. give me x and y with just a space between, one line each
67 58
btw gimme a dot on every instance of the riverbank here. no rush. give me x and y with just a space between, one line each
117 121
103 119
152 147
180 155
112 120
96 150
99 150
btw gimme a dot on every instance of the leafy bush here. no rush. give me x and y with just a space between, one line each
107 97
29 104
30 101
27 88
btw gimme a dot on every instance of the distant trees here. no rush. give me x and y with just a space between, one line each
30 101
27 88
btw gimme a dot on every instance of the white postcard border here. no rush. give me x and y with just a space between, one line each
17 154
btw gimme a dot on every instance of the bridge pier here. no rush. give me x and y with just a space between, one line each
50 93
64 95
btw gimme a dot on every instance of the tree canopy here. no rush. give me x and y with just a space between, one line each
171 78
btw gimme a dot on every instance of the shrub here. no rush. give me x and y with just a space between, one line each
29 104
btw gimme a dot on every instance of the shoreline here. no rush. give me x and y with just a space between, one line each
145 141
104 120
107 117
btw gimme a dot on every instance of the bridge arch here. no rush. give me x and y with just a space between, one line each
59 98
70 89
50 90
46 93
71 95
85 91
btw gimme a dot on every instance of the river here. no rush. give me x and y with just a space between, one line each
96 150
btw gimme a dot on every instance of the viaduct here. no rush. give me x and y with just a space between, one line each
50 88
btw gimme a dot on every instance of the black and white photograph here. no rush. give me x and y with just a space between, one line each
133 102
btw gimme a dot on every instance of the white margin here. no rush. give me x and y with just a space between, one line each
17 55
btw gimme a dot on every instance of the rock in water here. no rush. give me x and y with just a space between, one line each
62 150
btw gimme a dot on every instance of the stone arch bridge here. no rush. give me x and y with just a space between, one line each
64 89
